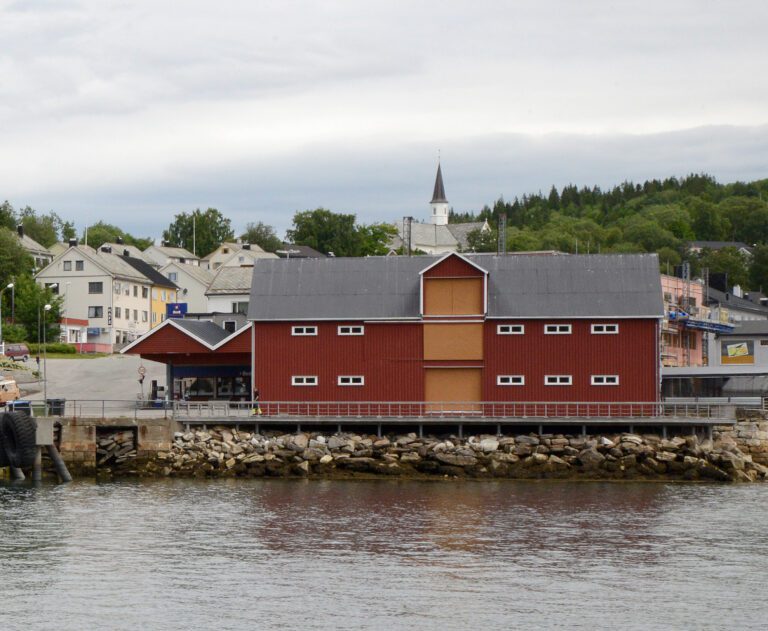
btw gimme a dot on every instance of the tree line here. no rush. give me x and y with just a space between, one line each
661 216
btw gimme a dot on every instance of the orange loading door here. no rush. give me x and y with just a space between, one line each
453 389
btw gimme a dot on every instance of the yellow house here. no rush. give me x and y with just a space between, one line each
162 292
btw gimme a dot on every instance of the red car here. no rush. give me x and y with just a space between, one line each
17 352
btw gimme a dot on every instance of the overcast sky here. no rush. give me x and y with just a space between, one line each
130 111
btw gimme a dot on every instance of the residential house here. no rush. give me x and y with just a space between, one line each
163 290
698 246
41 255
192 282
161 255
235 255
229 290
103 289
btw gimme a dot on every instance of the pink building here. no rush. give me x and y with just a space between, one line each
680 345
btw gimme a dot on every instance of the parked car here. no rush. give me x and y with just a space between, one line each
17 352
9 391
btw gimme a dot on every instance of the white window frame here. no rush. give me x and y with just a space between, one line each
608 328
351 329
510 380
302 331
558 380
605 380
304 380
558 329
350 380
510 329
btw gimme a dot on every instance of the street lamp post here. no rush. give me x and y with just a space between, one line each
9 286
46 309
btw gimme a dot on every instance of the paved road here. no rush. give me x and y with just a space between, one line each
113 378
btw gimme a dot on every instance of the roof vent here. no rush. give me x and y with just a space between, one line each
106 248
72 243
119 240
20 230
126 252
246 246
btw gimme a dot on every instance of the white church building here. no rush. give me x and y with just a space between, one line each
437 236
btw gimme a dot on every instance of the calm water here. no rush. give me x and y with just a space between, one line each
383 555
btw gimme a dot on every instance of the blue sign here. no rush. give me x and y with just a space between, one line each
175 309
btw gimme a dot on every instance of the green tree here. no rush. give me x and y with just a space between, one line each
326 231
758 270
68 231
375 238
648 234
668 259
262 235
7 216
482 241
30 300
42 228
14 260
729 261
709 224
200 232
101 232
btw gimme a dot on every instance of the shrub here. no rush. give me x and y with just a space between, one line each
53 347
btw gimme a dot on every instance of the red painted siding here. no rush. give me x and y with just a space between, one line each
387 355
453 267
168 340
631 354
239 344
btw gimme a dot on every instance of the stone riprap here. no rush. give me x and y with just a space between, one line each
226 452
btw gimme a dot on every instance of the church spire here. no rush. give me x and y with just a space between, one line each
439 193
439 203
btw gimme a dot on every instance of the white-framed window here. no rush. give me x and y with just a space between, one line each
144 316
304 330
605 329
605 380
351 330
510 329
67 266
173 276
154 317
557 329
510 380
118 312
304 380
79 266
351 380
558 380
230 326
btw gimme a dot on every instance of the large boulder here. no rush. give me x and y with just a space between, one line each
591 458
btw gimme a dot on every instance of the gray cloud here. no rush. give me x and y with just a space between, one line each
130 111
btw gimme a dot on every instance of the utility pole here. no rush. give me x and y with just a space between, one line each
194 235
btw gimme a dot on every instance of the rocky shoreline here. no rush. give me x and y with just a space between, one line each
226 452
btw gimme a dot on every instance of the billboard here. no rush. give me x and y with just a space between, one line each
175 309
737 352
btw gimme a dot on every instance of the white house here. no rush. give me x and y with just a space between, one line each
192 281
41 255
103 289
161 255
235 255
230 290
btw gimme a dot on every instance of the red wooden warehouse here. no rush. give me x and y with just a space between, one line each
458 328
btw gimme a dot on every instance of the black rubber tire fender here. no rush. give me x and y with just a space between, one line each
19 436
3 457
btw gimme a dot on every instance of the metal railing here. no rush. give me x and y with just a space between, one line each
438 410
421 410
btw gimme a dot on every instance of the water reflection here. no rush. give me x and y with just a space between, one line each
374 554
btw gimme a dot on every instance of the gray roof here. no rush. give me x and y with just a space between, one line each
748 327
207 331
729 301
426 234
30 245
719 245
438 195
200 274
519 286
460 231
173 252
133 251
232 280
155 277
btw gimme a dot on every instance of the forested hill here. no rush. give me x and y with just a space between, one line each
656 216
